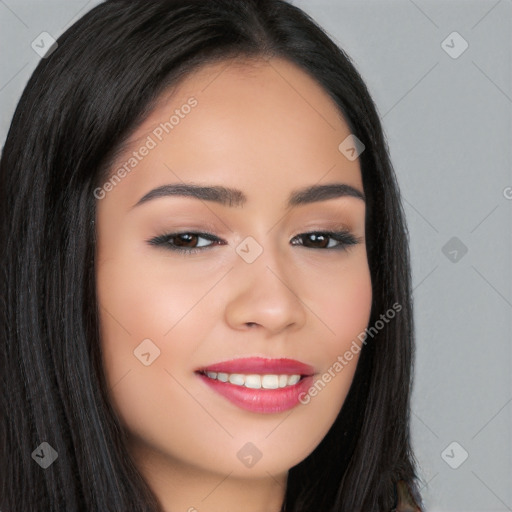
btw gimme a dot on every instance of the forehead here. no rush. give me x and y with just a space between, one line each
242 87
253 123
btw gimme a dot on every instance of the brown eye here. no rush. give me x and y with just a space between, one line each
186 242
327 240
316 240
185 239
190 242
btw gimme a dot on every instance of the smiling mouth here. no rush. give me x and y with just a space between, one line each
259 384
255 381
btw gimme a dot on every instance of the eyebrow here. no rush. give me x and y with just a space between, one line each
236 198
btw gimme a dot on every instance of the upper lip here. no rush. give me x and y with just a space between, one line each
260 365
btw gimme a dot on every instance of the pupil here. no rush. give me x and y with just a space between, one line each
318 239
186 242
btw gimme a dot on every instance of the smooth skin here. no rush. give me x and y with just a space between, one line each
266 128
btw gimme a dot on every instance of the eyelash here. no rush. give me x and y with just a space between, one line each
345 239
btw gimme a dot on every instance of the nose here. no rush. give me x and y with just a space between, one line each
265 296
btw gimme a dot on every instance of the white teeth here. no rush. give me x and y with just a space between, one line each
255 381
293 380
237 378
270 382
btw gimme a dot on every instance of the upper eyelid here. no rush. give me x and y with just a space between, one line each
209 231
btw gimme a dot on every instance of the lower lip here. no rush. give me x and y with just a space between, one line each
261 400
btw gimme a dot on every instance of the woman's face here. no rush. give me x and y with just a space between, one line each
259 288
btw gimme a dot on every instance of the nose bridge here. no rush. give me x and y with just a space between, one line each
264 292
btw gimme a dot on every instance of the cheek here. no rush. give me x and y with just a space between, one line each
144 299
141 313
345 312
343 299
153 401
137 303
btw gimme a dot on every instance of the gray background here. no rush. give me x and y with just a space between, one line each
448 125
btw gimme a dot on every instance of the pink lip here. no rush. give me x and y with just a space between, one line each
262 366
261 400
